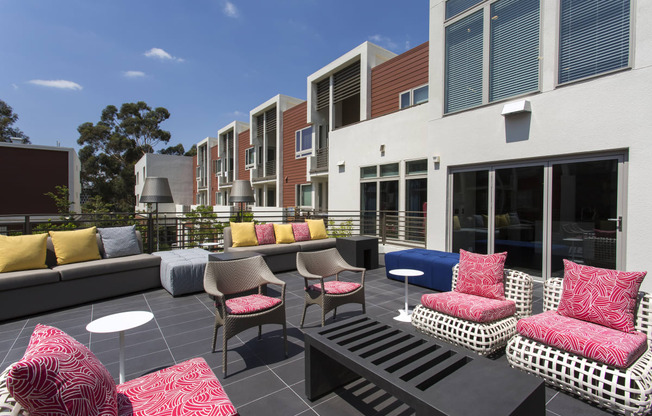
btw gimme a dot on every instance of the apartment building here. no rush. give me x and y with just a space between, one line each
41 169
229 160
178 170
534 139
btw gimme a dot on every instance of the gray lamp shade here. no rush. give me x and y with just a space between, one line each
156 190
241 192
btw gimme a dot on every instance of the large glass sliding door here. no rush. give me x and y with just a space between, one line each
541 213
518 217
368 202
585 220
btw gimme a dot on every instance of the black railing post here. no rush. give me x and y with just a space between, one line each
383 227
150 233
27 228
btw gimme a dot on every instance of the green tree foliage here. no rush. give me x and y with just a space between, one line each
112 146
204 225
173 150
192 151
7 119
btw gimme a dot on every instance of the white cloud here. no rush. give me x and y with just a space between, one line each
14 86
230 10
159 53
134 74
59 83
384 41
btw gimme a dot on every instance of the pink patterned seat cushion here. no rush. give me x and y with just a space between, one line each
188 388
250 304
481 275
60 376
301 231
469 307
597 342
602 296
265 234
336 287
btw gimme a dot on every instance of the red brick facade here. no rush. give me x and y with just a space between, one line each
294 170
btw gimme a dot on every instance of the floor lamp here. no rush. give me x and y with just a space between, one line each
241 193
156 190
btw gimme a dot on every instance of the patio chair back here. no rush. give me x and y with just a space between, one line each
235 276
321 263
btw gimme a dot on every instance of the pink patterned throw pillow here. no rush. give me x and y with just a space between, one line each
481 275
265 234
60 376
301 231
602 296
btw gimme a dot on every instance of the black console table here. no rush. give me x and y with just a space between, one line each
431 376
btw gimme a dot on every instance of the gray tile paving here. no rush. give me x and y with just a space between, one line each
261 380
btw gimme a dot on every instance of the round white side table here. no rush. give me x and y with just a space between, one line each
120 322
405 315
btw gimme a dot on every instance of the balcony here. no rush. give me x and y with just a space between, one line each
226 179
319 162
265 172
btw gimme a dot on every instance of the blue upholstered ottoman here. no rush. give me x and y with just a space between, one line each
437 267
182 271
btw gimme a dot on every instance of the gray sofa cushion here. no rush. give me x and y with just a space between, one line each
314 245
268 249
182 271
119 241
27 278
106 266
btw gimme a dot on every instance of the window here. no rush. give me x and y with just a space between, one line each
414 97
455 7
594 37
513 54
304 195
303 142
368 172
217 166
250 158
390 169
416 167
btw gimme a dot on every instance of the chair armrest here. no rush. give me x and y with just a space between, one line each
552 289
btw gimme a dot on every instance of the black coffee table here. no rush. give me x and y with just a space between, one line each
431 376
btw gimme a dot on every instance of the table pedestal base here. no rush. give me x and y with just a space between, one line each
404 316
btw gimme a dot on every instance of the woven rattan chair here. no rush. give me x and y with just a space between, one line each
318 265
482 338
627 390
224 279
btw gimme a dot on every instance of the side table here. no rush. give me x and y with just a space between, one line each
405 315
359 251
120 322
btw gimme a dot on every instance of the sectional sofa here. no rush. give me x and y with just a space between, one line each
28 292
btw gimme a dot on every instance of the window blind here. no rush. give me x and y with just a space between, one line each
323 93
514 48
463 78
594 37
346 83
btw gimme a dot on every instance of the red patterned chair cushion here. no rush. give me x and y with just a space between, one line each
265 234
602 296
336 287
250 304
301 231
189 388
60 376
599 343
469 307
481 275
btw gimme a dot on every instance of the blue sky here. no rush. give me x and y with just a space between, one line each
208 62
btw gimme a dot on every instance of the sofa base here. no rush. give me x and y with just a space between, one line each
481 338
627 391
44 298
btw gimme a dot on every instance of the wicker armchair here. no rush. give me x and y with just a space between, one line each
223 279
482 338
627 391
318 265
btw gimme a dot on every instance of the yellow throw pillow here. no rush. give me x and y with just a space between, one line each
317 229
243 234
284 234
456 223
75 246
23 252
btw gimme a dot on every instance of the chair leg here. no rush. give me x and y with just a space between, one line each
260 332
364 308
303 316
323 316
335 314
224 354
214 337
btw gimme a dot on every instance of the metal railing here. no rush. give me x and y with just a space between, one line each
266 171
322 158
172 230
